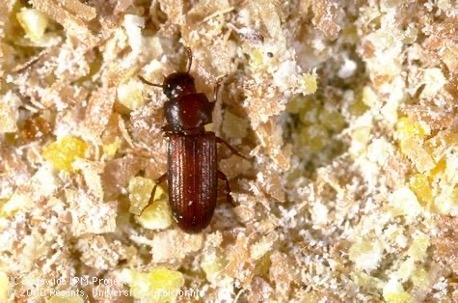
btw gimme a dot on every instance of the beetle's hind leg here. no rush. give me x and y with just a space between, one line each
223 177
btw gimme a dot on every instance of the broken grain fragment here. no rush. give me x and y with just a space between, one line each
34 128
332 120
393 292
412 147
403 202
361 137
110 149
296 104
281 273
212 265
140 189
33 22
418 249
309 111
130 95
445 243
90 215
17 202
359 106
406 128
443 141
420 185
314 137
420 278
434 80
309 84
366 254
235 126
9 104
4 287
63 152
369 97
156 216
160 284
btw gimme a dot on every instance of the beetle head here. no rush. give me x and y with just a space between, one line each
178 84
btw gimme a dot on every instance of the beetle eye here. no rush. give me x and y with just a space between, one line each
168 90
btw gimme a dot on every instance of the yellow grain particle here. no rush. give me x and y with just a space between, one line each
296 104
4 287
256 59
420 278
158 285
358 107
405 269
400 297
361 136
212 265
364 280
446 201
64 151
366 254
441 142
406 128
420 185
33 22
156 216
438 170
404 202
393 292
314 136
434 80
130 95
140 189
455 194
332 120
310 84
17 202
112 147
368 97
309 112
417 251
412 148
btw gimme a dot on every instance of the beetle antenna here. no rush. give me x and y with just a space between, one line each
149 83
189 53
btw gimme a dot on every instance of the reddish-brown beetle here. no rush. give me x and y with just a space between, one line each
192 159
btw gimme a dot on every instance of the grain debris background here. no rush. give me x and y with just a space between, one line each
347 108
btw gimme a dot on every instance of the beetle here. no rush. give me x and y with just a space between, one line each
192 169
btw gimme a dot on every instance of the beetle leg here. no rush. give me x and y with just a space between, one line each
216 89
233 150
223 177
159 180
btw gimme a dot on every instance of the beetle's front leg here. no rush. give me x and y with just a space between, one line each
216 89
159 180
232 149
